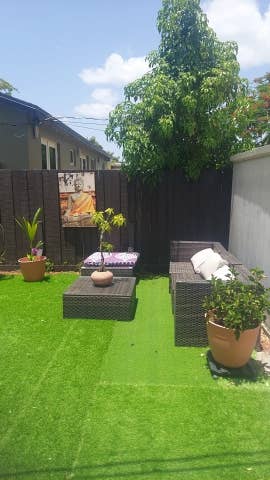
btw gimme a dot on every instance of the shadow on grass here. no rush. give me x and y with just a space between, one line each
252 372
5 276
144 275
152 466
46 279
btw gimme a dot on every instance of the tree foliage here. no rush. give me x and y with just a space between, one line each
260 109
105 221
6 87
191 109
94 142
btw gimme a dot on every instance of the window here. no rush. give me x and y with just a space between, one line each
71 157
84 160
83 163
49 156
52 154
44 156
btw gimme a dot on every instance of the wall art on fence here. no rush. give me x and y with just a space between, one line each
77 198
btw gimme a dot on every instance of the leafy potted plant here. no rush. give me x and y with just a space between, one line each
234 313
105 222
33 264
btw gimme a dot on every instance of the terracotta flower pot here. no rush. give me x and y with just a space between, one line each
102 279
33 271
228 351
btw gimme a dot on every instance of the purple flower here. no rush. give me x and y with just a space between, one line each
34 251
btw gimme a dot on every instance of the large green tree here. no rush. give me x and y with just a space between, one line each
191 109
6 87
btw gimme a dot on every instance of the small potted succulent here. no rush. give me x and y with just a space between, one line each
105 222
33 264
234 313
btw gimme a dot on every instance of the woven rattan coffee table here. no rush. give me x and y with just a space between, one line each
85 300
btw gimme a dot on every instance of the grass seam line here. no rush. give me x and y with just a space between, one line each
37 386
81 443
71 474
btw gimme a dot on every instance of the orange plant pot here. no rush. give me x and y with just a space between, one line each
32 271
228 351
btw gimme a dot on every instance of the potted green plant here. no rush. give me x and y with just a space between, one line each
234 313
105 222
33 264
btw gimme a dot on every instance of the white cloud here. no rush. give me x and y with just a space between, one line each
104 95
102 102
96 110
116 71
241 20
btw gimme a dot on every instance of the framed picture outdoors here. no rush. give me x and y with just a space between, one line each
77 198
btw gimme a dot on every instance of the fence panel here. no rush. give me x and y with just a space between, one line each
35 198
175 209
52 237
112 199
21 208
124 232
7 216
183 210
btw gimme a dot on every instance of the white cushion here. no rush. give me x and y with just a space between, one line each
223 273
200 257
210 265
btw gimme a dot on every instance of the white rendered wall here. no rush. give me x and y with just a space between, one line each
250 209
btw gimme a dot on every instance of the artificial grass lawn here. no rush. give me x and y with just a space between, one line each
91 399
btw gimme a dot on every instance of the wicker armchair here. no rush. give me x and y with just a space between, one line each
188 290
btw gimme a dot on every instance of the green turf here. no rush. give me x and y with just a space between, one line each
90 399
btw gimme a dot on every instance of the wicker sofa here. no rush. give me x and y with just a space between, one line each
188 290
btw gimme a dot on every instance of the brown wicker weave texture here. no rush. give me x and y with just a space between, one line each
182 251
116 302
188 290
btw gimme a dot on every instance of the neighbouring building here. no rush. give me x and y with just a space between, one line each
115 165
31 138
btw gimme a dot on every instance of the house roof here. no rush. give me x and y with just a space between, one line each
39 116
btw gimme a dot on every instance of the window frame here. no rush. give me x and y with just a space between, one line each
49 144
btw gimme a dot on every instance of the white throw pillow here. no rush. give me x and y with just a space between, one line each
200 257
210 265
223 273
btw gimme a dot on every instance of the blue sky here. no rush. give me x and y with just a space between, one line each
73 58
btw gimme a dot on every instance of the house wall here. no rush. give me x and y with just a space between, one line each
20 145
13 138
66 143
250 209
34 149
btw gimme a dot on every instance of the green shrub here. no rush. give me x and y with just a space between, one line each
237 305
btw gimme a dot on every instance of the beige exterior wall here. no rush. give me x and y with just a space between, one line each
66 144
34 150
13 138
20 146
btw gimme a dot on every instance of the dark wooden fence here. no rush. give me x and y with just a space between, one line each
175 209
